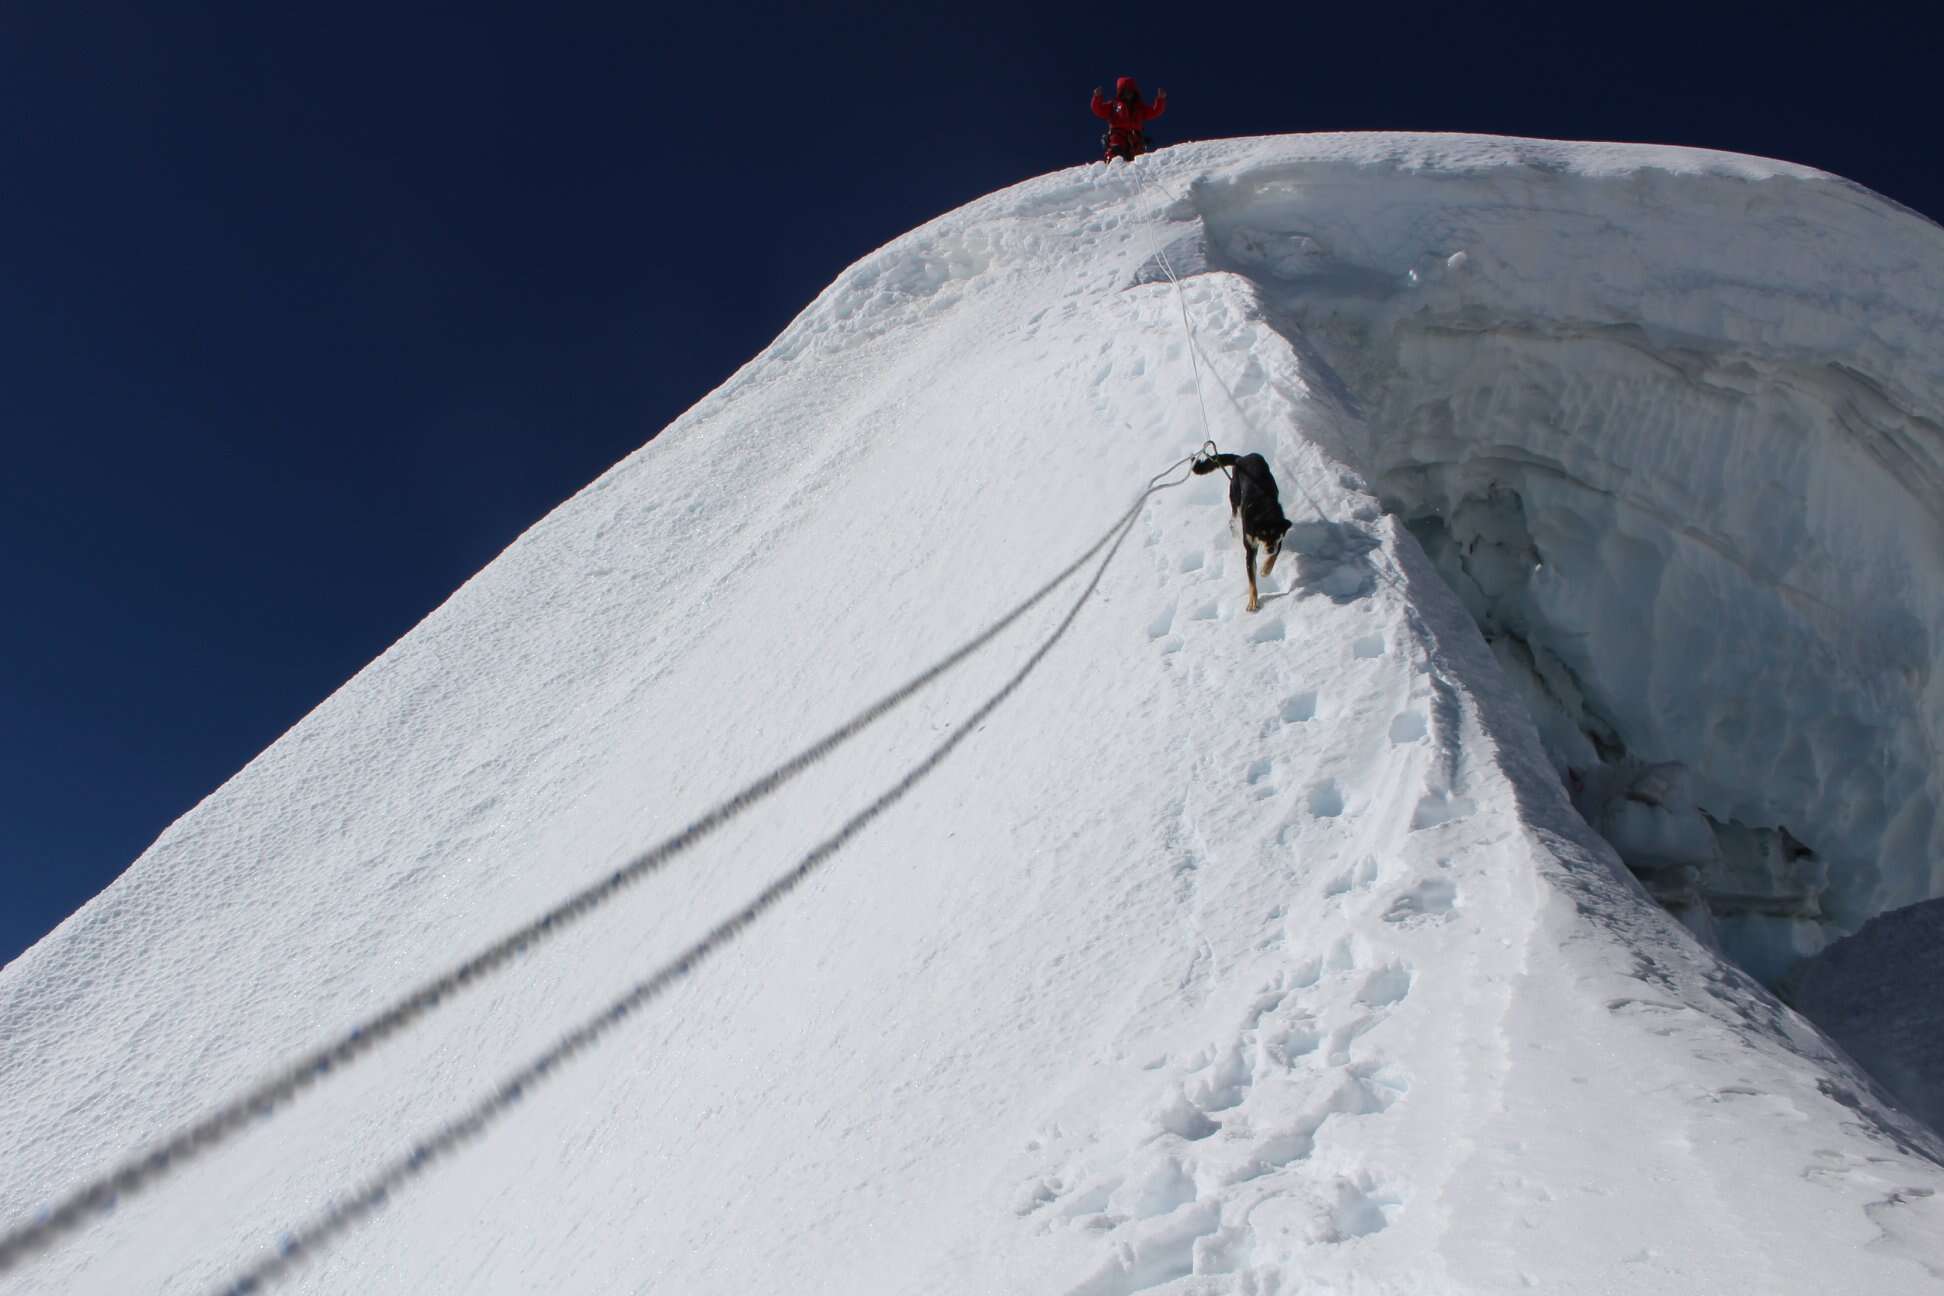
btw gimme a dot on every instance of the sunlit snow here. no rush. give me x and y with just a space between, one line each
1229 953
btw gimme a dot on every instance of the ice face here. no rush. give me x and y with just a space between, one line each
1683 466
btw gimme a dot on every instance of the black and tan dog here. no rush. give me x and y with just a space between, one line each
1254 504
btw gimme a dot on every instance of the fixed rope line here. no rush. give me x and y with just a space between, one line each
1389 570
1187 324
144 1170
1194 349
342 1216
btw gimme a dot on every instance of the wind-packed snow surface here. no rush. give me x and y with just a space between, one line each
1227 953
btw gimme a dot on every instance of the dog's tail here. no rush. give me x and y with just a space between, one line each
1209 463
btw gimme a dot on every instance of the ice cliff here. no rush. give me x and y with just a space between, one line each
1671 433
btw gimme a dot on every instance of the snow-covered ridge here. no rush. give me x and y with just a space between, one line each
1669 424
1235 954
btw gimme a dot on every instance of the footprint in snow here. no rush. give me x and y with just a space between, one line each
1361 1208
1431 900
1436 808
1360 878
1385 986
1259 774
1305 974
1409 727
1183 1119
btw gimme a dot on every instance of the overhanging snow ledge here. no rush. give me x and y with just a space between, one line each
1675 442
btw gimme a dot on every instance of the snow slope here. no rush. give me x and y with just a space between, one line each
1226 953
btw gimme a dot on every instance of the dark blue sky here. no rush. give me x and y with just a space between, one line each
307 311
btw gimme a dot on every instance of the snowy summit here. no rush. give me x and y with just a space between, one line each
1427 931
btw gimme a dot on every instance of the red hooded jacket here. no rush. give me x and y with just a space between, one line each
1124 115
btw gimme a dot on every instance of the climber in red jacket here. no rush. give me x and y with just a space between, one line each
1124 115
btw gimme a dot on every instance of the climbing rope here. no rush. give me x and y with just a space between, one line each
1209 450
1143 176
345 1214
143 1171
1194 346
